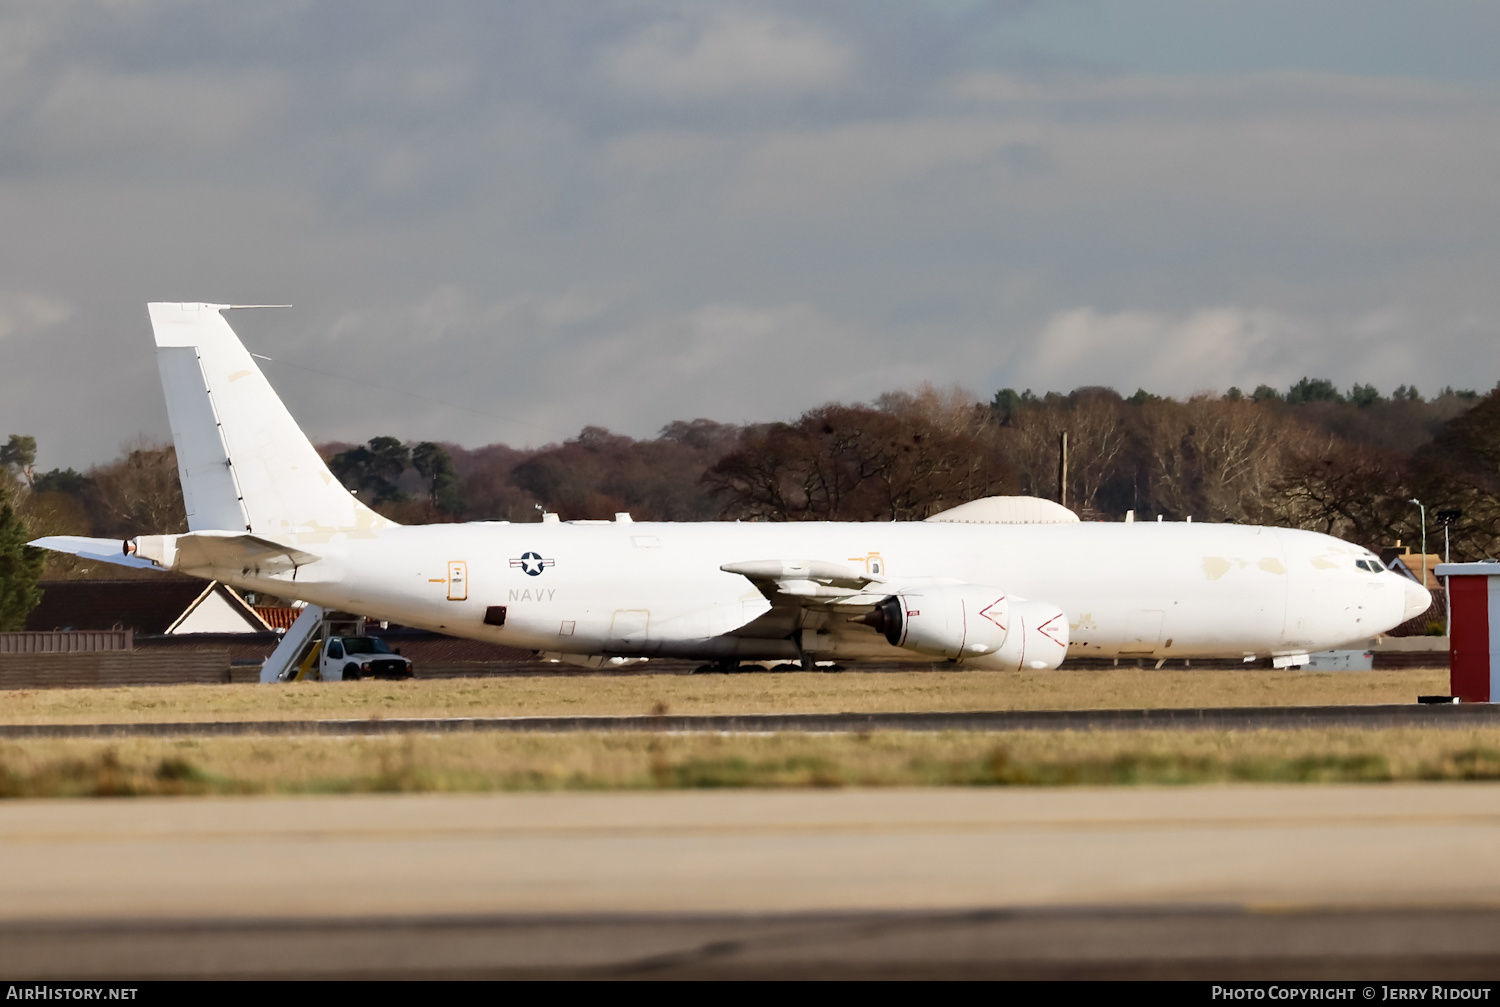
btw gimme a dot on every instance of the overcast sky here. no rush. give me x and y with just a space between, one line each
536 216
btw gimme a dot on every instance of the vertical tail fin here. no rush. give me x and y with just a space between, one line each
243 461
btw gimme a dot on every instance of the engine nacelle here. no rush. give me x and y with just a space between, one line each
974 625
1038 639
159 549
955 621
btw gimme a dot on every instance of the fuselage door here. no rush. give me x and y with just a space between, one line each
458 580
1142 632
629 626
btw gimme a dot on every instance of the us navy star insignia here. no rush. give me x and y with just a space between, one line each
531 563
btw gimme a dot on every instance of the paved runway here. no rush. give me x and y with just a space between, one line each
1185 718
1307 881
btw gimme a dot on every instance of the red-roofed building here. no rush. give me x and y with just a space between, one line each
170 606
279 619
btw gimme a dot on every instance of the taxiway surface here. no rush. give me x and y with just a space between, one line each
1251 718
1212 881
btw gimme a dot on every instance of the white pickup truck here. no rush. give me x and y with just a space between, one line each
346 658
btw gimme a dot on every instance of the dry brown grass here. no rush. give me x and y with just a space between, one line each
485 762
719 694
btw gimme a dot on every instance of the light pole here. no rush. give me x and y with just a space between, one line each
1447 518
1424 537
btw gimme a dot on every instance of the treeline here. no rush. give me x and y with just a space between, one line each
1347 463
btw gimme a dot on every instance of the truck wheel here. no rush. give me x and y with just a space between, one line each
351 672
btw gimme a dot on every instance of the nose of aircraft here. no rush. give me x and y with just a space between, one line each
1418 600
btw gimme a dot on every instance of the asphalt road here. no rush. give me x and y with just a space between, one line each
1185 718
1221 882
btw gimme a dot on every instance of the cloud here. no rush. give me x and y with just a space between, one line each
1215 348
1213 94
27 314
733 362
421 88
535 368
864 168
998 86
634 212
162 121
707 52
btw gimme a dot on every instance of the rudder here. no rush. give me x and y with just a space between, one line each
243 461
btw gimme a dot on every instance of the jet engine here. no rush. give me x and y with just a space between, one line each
955 621
975 625
1038 639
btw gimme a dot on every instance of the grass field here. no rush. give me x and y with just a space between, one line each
484 761
493 762
1121 688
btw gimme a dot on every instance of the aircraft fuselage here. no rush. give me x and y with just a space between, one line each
646 589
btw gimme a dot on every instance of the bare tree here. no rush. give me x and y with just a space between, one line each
857 463
953 410
139 493
1099 436
1213 458
1352 491
19 453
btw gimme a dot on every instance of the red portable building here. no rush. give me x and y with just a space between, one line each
1474 630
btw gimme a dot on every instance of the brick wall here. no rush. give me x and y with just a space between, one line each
67 641
119 667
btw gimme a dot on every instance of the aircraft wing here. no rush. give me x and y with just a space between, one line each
808 581
105 550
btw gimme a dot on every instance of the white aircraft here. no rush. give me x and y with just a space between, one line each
999 583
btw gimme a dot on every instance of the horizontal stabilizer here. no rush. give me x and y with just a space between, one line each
105 550
238 552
